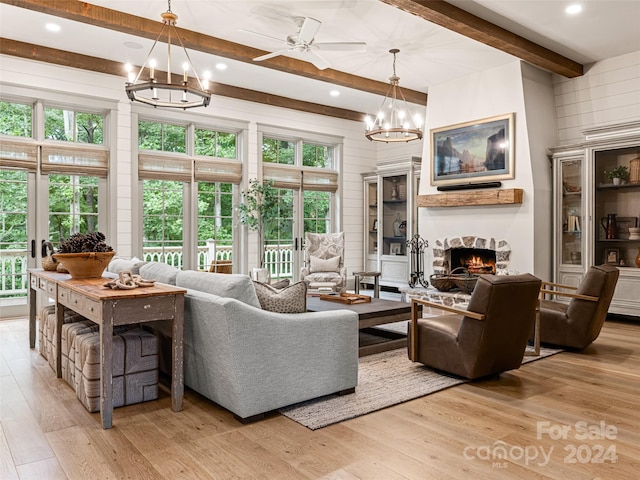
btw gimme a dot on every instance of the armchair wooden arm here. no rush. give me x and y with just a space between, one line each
416 309
589 298
558 285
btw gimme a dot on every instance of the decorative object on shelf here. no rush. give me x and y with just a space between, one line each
48 263
395 248
478 151
634 169
395 121
625 224
610 226
375 226
403 228
634 233
637 260
576 258
612 256
394 190
396 226
416 247
84 255
402 191
618 175
168 94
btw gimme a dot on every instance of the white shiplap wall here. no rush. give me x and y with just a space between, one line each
608 93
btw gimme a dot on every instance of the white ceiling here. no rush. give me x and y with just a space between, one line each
429 54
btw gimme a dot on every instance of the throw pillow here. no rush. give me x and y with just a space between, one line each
291 299
318 264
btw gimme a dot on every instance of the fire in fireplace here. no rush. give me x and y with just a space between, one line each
473 260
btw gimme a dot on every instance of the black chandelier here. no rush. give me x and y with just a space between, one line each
181 94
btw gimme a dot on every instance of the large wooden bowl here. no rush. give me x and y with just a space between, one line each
84 265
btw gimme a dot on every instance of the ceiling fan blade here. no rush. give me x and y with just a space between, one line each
342 46
319 62
309 29
270 55
262 35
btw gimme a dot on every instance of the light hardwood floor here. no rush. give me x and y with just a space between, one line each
45 433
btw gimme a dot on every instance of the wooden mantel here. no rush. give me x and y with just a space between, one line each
501 196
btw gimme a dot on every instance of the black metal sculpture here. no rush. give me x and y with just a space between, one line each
415 247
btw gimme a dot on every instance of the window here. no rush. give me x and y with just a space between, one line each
73 205
215 222
162 221
210 143
162 136
13 233
169 174
16 119
306 177
72 126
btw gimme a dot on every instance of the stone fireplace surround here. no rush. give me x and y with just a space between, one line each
443 245
441 265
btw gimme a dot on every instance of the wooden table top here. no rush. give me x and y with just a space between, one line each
376 308
94 287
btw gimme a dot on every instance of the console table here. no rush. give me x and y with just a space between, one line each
109 308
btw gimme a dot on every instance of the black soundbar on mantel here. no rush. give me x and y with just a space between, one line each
468 186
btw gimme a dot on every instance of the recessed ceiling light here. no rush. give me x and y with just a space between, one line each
221 66
573 9
134 45
334 93
52 27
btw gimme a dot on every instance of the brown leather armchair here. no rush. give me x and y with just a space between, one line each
578 323
488 338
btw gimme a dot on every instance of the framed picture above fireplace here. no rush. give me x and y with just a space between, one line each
473 152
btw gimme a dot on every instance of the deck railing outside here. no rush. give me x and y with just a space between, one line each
13 263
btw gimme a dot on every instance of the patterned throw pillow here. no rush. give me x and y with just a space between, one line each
324 264
291 299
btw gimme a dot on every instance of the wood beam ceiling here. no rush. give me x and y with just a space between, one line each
85 62
142 27
462 22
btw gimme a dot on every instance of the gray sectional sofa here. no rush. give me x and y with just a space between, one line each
251 361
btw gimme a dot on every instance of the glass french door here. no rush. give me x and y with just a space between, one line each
17 252
299 211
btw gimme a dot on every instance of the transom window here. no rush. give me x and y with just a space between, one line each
73 126
16 119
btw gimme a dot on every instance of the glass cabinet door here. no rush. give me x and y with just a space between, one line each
571 244
371 236
394 215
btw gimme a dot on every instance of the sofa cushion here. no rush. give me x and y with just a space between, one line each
291 299
318 264
118 265
235 286
160 272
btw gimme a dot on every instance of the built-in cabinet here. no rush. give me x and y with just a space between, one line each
390 211
593 215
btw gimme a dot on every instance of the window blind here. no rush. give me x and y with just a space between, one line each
16 154
218 170
289 176
154 166
75 159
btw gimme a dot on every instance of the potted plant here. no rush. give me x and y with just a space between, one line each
618 175
259 206
84 255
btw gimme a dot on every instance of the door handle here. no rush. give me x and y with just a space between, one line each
295 244
33 249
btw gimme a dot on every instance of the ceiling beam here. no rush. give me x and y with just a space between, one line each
109 67
462 22
142 27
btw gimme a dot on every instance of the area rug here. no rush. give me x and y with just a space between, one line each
384 379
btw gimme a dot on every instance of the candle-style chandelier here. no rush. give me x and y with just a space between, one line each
179 94
394 121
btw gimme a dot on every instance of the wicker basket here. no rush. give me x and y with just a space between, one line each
465 283
442 282
634 170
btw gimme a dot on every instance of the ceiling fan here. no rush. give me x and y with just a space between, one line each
303 41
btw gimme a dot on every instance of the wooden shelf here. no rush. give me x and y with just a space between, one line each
501 196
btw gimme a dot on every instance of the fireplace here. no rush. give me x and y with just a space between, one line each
472 260
471 254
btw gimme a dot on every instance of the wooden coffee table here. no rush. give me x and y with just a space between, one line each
371 314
